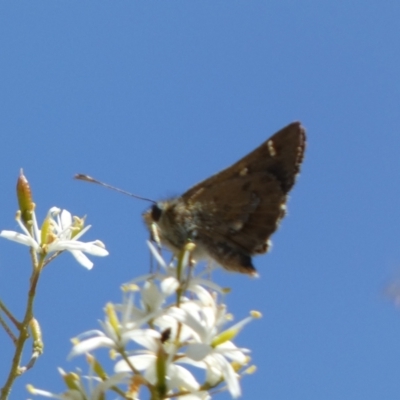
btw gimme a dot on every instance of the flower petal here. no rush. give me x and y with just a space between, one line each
20 238
181 377
140 362
91 344
82 259
198 351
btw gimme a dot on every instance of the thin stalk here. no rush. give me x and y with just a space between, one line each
16 370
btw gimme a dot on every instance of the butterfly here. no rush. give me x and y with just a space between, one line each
231 215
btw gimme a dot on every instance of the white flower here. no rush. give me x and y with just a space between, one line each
116 333
177 377
76 389
185 330
151 301
59 232
169 278
212 348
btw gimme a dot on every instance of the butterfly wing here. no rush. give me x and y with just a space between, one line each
239 208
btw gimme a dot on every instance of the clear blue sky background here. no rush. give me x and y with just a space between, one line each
156 96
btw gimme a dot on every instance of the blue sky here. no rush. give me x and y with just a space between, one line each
156 96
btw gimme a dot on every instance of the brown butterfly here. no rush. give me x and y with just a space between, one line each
231 215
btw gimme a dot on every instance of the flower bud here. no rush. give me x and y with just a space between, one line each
71 380
36 335
97 367
24 196
113 318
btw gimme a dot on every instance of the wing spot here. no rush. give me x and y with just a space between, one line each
261 248
236 226
271 148
244 171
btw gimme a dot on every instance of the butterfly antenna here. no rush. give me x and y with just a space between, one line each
87 178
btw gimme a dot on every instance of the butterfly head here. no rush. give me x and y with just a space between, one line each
166 223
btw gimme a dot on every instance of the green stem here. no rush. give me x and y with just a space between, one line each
9 315
51 258
130 365
16 370
8 330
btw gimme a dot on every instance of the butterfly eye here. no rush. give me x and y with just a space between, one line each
156 212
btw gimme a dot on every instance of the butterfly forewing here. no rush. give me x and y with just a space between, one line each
288 144
236 210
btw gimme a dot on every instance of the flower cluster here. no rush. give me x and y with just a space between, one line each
169 326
